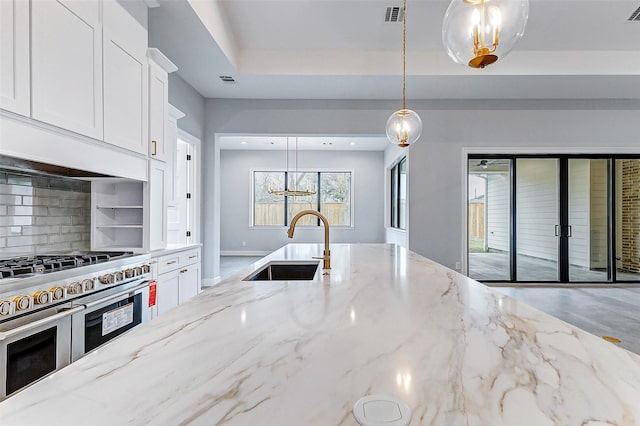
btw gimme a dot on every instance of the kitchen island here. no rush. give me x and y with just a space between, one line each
384 321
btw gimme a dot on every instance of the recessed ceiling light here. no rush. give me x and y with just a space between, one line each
352 143
243 142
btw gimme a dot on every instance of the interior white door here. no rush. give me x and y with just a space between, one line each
14 56
125 79
66 65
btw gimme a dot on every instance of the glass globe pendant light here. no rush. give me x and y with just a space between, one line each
404 127
480 32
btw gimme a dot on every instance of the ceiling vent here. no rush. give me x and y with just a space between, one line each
227 79
635 16
394 14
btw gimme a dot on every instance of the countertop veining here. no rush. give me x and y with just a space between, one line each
385 320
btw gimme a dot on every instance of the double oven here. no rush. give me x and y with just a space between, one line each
51 316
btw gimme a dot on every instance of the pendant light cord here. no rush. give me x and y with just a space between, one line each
404 56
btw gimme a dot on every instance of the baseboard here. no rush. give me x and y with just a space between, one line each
243 253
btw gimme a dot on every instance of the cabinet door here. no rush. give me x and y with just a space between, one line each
172 145
189 282
158 112
167 291
158 185
125 79
14 56
66 65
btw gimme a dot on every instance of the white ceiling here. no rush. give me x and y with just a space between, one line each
330 49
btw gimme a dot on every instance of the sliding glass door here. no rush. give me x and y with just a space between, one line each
588 224
553 218
489 218
537 214
627 223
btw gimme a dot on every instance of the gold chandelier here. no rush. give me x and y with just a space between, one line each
404 127
295 192
479 32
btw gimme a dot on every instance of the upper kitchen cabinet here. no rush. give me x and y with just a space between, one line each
124 44
66 65
159 68
172 143
14 56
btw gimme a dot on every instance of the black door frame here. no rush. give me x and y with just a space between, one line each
564 228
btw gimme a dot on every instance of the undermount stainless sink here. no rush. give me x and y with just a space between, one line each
285 271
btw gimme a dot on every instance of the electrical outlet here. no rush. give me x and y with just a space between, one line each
458 266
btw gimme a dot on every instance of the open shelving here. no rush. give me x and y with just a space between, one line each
117 215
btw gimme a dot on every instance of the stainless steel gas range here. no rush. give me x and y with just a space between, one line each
54 309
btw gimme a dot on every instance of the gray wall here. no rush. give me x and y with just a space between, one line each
436 182
236 210
186 99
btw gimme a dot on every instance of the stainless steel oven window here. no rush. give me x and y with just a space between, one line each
31 358
34 346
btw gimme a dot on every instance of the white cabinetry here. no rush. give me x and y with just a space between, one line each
66 65
157 211
172 143
117 215
167 291
159 67
178 278
14 56
125 79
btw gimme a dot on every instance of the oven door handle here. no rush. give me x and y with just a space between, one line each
116 295
53 318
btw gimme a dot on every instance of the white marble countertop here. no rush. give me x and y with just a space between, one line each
173 248
301 353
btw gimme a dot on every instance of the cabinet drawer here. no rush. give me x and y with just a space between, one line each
168 263
189 257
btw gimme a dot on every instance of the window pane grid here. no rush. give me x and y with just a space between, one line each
332 198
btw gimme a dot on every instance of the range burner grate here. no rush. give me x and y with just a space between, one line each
24 266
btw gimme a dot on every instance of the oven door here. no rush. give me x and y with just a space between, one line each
107 316
34 346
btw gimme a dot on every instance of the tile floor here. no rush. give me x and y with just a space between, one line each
495 266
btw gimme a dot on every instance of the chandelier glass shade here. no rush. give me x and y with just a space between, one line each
478 33
404 127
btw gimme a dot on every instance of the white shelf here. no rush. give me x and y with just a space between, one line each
117 215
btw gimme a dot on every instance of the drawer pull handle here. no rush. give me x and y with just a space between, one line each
183 270
171 262
191 257
155 147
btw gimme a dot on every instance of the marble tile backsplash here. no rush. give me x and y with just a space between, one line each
43 214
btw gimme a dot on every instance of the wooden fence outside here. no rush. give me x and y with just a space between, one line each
270 214
476 220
